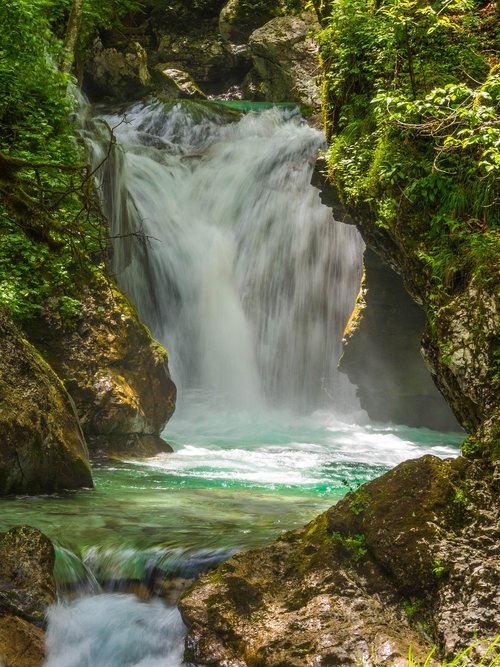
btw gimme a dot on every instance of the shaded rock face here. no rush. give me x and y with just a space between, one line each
27 587
335 592
209 60
286 61
251 50
461 346
116 373
382 355
122 75
42 447
238 19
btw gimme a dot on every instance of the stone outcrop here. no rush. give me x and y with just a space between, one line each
27 587
115 372
238 19
42 448
210 61
382 355
119 74
251 50
396 563
285 59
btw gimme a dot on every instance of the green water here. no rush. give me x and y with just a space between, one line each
234 481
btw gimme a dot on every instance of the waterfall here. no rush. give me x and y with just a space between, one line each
226 250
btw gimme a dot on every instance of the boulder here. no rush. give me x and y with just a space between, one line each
285 58
174 83
42 448
21 644
121 75
27 585
239 18
208 60
27 588
409 559
116 373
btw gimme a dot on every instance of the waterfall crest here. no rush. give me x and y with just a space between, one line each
226 250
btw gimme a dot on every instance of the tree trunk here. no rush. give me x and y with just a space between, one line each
71 38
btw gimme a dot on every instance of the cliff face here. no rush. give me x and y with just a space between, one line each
382 357
240 50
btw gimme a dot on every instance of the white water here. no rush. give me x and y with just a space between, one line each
114 631
243 274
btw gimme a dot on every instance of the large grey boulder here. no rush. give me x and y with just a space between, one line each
118 74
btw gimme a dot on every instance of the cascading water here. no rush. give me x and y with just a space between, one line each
227 252
241 271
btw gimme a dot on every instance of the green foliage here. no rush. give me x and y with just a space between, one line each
471 447
439 569
50 229
412 607
355 545
412 107
490 656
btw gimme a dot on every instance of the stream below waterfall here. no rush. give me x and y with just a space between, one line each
240 271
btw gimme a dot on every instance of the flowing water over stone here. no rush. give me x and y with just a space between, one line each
237 267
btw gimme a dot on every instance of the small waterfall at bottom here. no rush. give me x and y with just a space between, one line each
228 253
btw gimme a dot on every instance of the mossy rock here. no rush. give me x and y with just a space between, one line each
405 512
42 446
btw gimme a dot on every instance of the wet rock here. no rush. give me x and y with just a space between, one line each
21 644
403 561
460 352
207 59
42 447
116 373
175 83
285 58
382 349
238 19
116 74
27 584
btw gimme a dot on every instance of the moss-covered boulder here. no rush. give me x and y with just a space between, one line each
383 570
42 447
114 370
27 588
